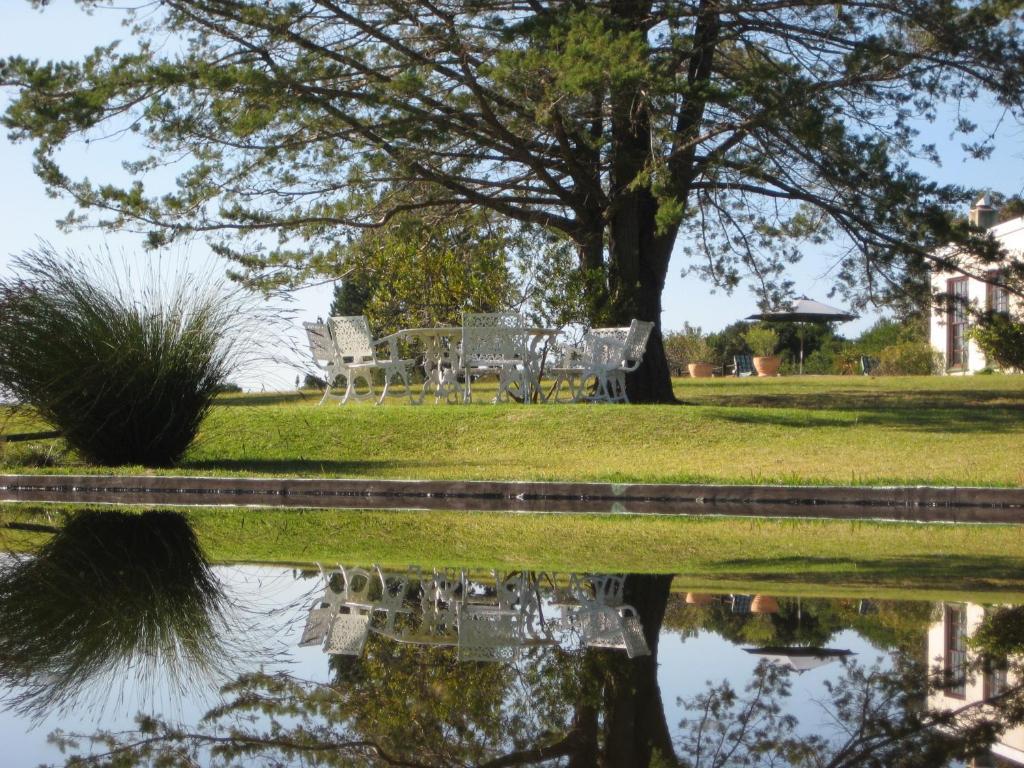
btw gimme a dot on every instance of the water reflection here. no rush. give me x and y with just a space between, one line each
486 620
112 599
447 668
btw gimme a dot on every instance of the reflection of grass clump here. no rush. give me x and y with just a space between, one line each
127 378
111 594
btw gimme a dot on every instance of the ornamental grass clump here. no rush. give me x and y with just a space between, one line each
126 374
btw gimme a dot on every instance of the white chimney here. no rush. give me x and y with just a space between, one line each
983 213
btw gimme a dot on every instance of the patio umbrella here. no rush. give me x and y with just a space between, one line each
798 658
805 310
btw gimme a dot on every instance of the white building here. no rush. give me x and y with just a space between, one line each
949 329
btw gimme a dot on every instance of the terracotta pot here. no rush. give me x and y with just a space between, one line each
764 604
701 370
767 366
699 598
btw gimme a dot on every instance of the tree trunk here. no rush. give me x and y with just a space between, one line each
638 253
638 259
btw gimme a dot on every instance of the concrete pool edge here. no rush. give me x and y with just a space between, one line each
925 503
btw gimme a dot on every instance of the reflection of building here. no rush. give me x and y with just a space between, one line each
949 650
949 329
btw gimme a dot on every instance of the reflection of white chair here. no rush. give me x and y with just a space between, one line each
495 344
318 622
340 626
488 633
391 602
348 634
357 358
440 600
608 588
606 627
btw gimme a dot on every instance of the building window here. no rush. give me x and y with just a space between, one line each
994 682
994 669
954 661
997 298
956 326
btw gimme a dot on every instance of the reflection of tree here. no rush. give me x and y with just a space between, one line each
877 717
109 596
403 705
809 621
456 712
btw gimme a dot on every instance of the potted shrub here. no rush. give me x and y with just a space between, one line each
699 354
690 348
762 342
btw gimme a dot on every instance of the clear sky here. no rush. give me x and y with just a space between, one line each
63 31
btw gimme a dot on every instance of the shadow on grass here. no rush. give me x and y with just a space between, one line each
840 399
268 398
968 416
295 466
945 570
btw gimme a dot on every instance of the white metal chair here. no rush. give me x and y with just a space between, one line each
357 358
325 354
610 355
495 343
599 348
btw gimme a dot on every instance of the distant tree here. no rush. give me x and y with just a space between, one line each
1001 338
886 332
427 268
1010 206
351 295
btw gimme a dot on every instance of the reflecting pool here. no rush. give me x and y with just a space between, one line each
165 658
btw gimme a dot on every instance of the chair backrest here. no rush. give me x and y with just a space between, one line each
321 345
352 338
636 341
492 337
604 345
623 347
744 365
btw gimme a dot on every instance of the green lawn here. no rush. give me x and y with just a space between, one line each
778 556
843 430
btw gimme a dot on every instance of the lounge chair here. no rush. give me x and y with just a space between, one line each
742 365
868 365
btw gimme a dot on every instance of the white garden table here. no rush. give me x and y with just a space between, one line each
440 350
535 358
440 347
